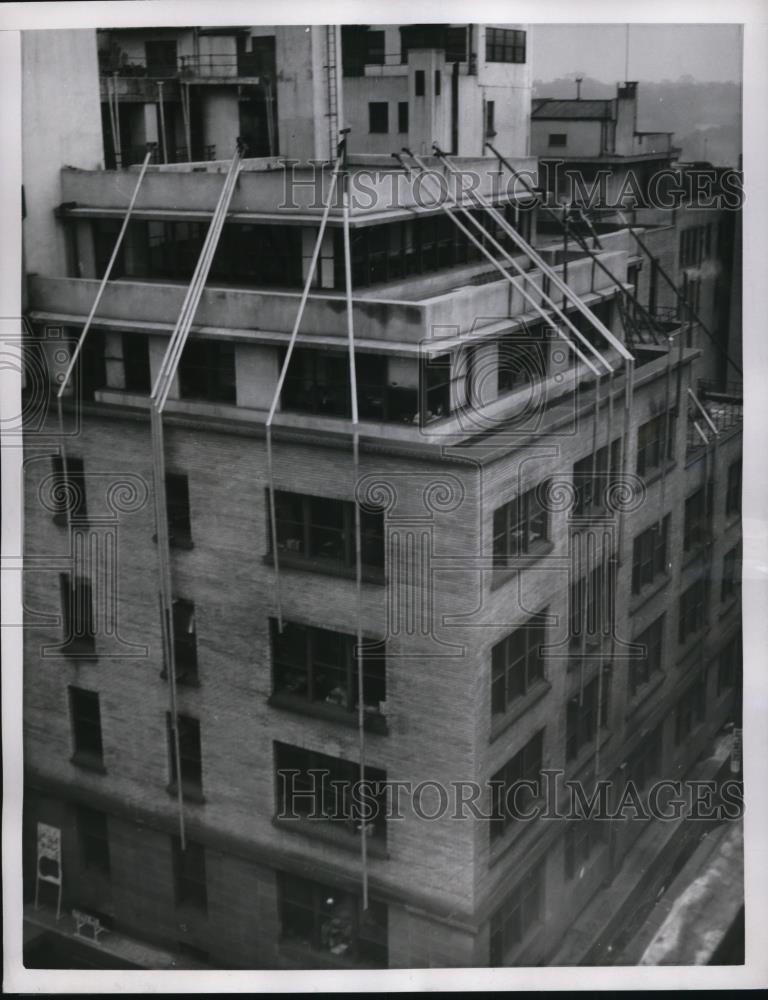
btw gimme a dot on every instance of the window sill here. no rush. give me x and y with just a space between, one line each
189 794
502 574
521 705
373 723
324 829
327 568
649 591
88 762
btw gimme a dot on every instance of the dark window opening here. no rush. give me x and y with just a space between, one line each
311 528
649 555
509 796
316 787
161 57
644 763
136 368
698 514
490 119
731 583
85 715
318 665
93 835
438 80
519 526
326 919
189 876
593 605
378 116
77 615
402 117
733 489
655 443
642 670
582 838
518 915
693 609
557 139
190 755
594 479
691 708
584 713
729 666
184 641
419 82
177 502
207 371
517 663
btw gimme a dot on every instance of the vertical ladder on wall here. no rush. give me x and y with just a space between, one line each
333 84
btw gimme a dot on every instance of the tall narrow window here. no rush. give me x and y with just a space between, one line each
698 510
584 713
519 527
731 583
378 116
177 500
655 443
190 754
693 609
402 117
189 876
419 82
518 915
93 835
136 363
649 555
85 715
438 79
185 641
515 785
77 615
490 119
517 664
642 669
733 490
207 371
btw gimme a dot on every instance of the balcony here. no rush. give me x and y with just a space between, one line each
265 188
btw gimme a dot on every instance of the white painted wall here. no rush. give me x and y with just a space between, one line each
257 372
221 119
583 138
60 84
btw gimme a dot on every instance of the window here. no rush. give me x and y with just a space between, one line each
729 665
691 708
731 583
490 119
517 663
136 368
189 879
374 48
521 361
436 388
581 715
519 526
655 443
641 670
520 912
326 919
733 490
160 57
185 641
581 839
378 116
693 606
93 836
504 45
207 371
190 754
645 761
402 116
698 510
177 501
68 494
557 139
319 787
437 82
77 614
649 555
419 82
592 606
318 665
85 716
524 766
594 477
322 531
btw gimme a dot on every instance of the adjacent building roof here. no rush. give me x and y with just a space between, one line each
552 107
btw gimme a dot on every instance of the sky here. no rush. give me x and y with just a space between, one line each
656 51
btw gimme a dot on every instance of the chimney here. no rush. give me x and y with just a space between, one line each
578 87
626 117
